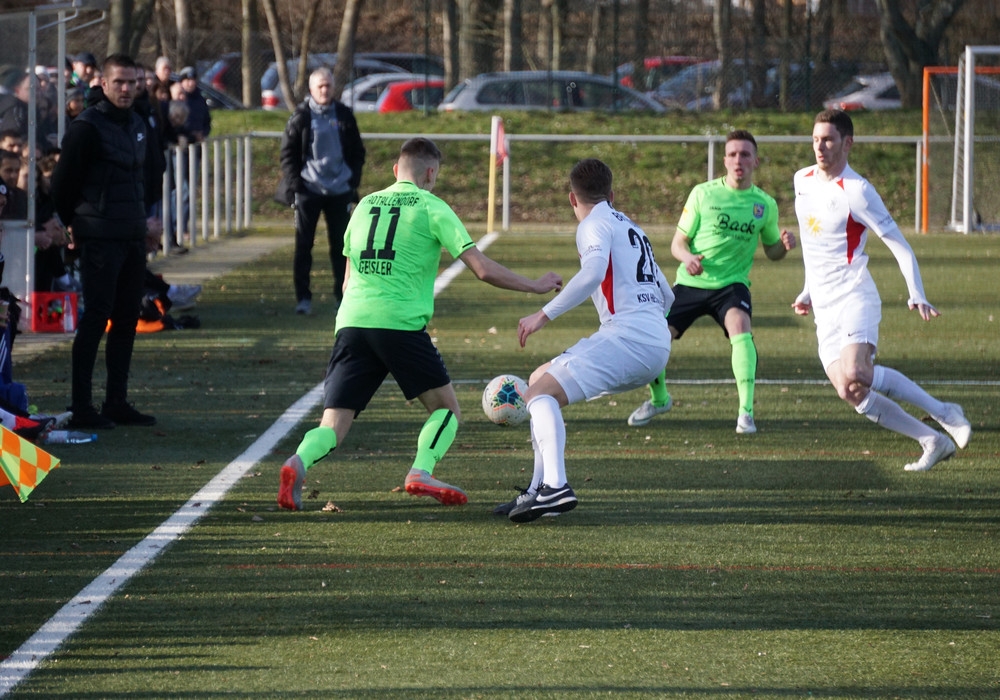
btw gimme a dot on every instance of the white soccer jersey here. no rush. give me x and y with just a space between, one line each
617 271
834 219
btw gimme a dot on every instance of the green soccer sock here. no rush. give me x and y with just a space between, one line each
316 444
658 394
435 438
744 369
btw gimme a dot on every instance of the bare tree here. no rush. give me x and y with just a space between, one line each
722 21
345 46
182 17
279 53
910 47
302 75
758 52
127 23
513 58
449 22
249 66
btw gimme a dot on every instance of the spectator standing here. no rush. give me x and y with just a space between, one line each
98 188
164 70
322 156
84 70
199 122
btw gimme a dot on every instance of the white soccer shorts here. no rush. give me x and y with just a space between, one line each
605 364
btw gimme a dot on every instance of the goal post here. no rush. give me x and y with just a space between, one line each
961 143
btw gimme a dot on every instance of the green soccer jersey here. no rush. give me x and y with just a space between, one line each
724 225
393 246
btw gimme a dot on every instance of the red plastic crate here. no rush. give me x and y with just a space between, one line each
53 312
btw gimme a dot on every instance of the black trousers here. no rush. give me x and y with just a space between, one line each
112 274
308 207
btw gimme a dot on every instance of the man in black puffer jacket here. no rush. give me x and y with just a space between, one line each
98 187
321 159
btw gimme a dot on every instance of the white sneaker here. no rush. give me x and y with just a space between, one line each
937 449
745 425
647 411
954 421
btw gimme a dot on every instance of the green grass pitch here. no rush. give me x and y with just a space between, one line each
798 562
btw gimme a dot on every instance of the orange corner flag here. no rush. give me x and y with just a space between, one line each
24 464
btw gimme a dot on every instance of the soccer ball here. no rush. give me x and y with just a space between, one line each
503 400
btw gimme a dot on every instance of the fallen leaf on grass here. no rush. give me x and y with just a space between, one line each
332 507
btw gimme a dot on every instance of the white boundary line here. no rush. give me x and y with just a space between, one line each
51 635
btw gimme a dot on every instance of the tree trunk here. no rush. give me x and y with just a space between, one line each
558 17
466 38
513 56
543 45
640 32
182 16
721 26
449 23
142 13
909 48
119 26
345 46
305 42
279 53
785 58
597 19
249 44
758 53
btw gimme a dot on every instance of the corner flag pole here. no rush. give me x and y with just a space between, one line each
496 149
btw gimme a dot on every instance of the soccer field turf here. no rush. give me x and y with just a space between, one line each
801 561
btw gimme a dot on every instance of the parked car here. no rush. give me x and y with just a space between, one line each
226 72
416 63
692 88
656 70
407 95
876 91
270 92
363 93
557 90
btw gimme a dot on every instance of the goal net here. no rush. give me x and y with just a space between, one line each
961 156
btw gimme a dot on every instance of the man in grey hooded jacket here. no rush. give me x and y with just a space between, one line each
322 156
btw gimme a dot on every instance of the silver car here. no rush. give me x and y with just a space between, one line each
362 95
877 91
537 90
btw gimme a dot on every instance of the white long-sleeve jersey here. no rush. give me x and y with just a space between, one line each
617 271
834 219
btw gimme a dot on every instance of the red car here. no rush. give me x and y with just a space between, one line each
657 69
407 95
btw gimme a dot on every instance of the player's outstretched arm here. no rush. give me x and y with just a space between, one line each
494 273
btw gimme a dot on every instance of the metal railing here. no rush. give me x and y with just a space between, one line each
214 192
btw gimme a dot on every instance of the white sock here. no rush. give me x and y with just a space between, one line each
898 387
538 476
889 414
550 434
8 419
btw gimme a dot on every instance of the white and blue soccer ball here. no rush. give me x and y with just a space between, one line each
503 400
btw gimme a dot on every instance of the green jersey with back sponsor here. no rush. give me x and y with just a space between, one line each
393 247
724 225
